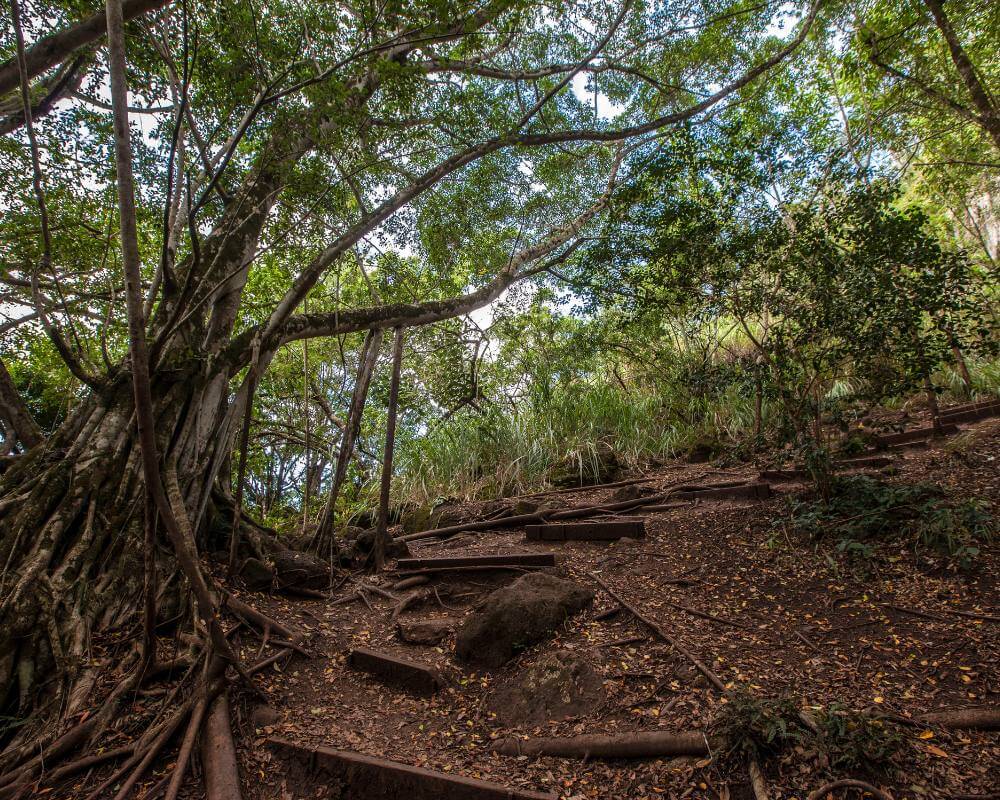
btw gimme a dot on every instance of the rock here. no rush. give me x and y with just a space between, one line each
445 516
525 507
700 453
257 575
514 617
397 549
425 631
416 520
265 716
365 541
350 533
556 686
632 492
586 468
300 570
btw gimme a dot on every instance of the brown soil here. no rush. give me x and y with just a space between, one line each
813 625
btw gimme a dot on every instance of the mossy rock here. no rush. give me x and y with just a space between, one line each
587 467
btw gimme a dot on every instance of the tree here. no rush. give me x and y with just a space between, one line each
289 144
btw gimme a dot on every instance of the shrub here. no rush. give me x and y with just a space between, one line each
861 511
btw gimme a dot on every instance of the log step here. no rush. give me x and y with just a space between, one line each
916 435
859 462
361 777
971 414
495 561
742 491
866 462
409 675
989 402
598 531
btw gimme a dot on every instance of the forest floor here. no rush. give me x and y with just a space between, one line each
812 625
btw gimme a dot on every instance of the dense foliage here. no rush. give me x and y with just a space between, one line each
822 241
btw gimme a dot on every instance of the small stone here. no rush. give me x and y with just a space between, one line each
428 632
265 716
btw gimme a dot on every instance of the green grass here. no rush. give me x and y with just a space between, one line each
498 453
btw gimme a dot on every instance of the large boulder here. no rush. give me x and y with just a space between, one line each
558 685
257 575
357 545
295 570
514 617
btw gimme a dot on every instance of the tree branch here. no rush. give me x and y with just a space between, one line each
55 48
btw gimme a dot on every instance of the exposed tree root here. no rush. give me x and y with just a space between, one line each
847 783
412 599
757 782
218 753
645 744
982 719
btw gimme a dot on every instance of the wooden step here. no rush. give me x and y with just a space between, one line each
409 675
742 491
799 474
361 777
971 414
976 406
916 435
598 530
498 561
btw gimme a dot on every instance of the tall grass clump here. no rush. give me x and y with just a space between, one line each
506 451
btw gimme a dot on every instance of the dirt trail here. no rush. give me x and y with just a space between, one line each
806 627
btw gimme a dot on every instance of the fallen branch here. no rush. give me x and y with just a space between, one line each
705 615
543 516
622 642
644 744
409 583
711 676
848 783
429 571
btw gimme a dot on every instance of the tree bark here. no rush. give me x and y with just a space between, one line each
16 413
989 118
58 46
382 533
366 366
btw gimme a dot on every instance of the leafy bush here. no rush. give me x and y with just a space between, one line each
766 728
757 726
860 511
853 741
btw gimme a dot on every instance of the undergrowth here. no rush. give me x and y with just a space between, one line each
861 512
841 739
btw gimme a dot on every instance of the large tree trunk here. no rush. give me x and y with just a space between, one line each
72 539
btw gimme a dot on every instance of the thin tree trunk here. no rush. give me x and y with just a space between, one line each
963 367
758 401
369 354
932 403
241 470
382 533
308 428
